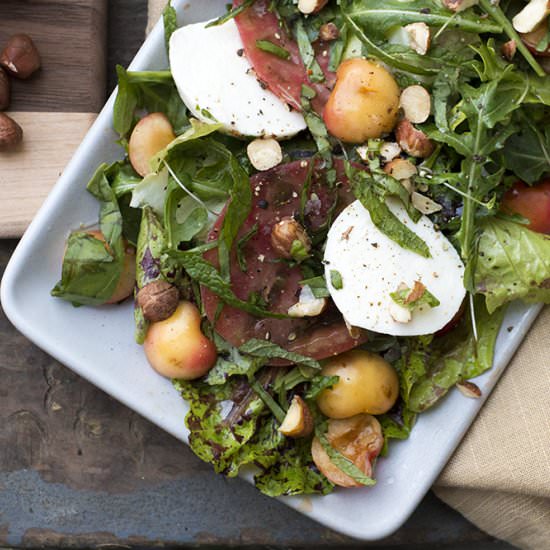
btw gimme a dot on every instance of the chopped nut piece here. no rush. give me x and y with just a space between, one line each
459 5
401 169
416 103
389 150
424 204
469 389
399 313
419 37
328 32
158 300
298 421
285 233
413 141
416 293
264 153
531 16
508 49
307 305
311 6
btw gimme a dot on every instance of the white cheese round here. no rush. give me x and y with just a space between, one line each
217 83
372 266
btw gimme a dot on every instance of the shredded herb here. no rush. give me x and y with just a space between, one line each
270 47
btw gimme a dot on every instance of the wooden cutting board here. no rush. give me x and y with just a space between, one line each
57 105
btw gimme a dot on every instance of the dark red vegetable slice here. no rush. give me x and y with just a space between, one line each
277 193
284 77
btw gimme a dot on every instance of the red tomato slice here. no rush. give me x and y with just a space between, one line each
284 77
277 194
533 203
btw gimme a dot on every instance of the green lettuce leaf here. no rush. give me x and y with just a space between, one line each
513 263
92 268
170 20
293 474
153 91
431 365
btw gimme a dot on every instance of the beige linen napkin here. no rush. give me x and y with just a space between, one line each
499 478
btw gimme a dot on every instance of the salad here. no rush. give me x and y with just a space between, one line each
323 211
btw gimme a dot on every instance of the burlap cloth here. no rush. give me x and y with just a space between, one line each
499 478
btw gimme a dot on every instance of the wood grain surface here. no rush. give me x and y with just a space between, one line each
71 38
56 106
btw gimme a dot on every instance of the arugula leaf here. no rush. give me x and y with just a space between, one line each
269 350
500 18
170 21
231 13
340 461
527 152
513 262
430 366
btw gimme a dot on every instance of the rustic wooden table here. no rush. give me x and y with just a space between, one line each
78 469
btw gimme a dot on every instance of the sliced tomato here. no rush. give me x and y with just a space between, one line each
277 194
284 77
533 203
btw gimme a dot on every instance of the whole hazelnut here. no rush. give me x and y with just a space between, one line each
158 300
4 90
11 134
328 32
287 236
20 56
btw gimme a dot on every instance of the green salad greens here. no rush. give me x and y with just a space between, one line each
203 218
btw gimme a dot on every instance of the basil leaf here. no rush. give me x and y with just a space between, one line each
340 461
413 299
318 286
314 72
513 262
270 47
320 383
92 267
269 350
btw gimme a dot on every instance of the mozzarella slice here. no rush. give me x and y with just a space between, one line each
372 266
218 84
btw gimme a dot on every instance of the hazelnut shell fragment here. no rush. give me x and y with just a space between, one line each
413 141
298 421
328 32
158 300
4 90
20 56
11 134
285 233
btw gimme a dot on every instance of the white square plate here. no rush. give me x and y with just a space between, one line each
98 343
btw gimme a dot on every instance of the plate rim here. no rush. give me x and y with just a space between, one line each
8 298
